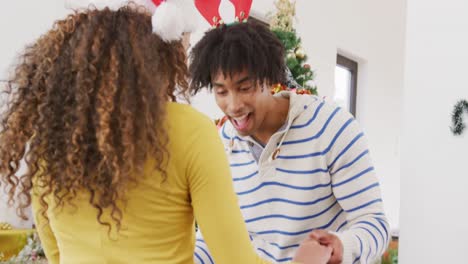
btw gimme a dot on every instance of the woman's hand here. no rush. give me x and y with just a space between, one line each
311 252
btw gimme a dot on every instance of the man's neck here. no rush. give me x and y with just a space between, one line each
277 116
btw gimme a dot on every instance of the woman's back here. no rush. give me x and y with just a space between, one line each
157 219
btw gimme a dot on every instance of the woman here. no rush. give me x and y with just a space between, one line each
116 172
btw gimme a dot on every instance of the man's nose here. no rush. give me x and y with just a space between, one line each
235 105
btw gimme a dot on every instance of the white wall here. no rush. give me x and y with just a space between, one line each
434 172
372 32
21 22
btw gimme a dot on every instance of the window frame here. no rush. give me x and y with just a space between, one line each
352 67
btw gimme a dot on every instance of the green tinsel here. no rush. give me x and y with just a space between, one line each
457 117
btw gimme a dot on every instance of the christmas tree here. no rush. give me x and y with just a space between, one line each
281 23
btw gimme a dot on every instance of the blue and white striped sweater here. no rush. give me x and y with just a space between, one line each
322 178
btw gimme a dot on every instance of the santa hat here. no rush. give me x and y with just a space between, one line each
171 18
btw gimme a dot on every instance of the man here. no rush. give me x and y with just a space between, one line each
300 166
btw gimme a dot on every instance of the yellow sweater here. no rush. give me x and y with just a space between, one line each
158 221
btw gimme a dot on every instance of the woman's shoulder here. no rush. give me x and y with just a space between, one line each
180 112
187 119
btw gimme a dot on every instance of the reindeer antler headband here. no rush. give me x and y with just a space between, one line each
210 10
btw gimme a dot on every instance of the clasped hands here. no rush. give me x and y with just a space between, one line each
320 247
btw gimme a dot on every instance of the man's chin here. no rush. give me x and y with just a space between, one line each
244 133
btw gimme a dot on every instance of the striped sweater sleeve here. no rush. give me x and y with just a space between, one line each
356 188
201 254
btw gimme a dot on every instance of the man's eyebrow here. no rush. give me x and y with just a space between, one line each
246 78
217 84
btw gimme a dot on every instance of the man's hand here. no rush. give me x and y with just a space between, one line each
330 240
311 252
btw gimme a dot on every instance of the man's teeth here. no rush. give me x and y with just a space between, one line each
241 118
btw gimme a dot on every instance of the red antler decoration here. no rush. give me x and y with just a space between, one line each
210 11
157 2
242 9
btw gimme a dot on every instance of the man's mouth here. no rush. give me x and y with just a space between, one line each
241 122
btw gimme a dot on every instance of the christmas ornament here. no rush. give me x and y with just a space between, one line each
291 55
278 88
300 53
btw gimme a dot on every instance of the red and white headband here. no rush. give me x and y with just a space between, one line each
210 10
171 18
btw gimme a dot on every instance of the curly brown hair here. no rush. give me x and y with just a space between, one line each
86 108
